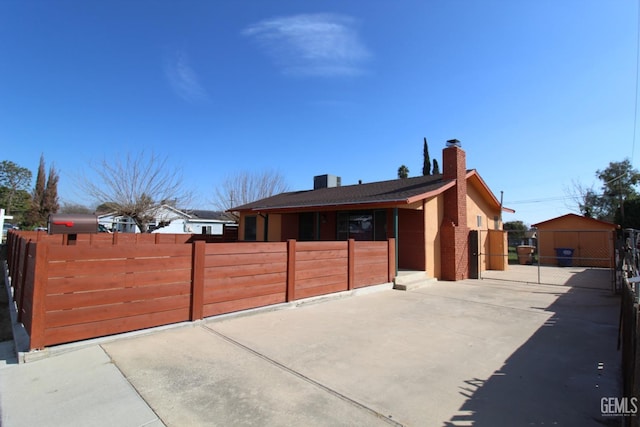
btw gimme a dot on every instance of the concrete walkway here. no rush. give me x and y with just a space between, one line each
476 352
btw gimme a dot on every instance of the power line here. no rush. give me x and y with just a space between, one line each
557 198
543 199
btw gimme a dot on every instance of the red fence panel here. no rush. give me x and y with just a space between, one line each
239 276
371 263
108 290
321 268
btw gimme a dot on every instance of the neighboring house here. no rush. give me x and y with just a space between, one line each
431 217
170 220
591 242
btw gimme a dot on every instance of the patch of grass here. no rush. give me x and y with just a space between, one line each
513 256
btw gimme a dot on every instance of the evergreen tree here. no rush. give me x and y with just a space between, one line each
37 197
436 167
44 199
426 164
50 202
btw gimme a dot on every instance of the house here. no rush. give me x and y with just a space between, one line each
170 220
435 219
590 242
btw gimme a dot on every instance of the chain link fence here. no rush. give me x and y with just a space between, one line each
628 278
554 257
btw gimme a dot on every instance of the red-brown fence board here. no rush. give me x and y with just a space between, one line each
113 326
60 285
25 301
18 274
213 296
71 301
241 304
246 275
321 268
371 263
107 284
57 318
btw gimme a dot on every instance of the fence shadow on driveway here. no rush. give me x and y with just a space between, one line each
560 374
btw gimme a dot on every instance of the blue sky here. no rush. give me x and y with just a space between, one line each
541 93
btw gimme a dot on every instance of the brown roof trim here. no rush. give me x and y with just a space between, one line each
431 193
488 191
572 215
328 207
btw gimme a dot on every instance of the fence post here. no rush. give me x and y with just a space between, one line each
197 280
291 270
635 381
351 260
38 303
391 262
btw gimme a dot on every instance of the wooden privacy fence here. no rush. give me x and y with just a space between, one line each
75 292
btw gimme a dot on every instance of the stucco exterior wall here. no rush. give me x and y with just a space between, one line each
489 242
275 227
433 214
478 207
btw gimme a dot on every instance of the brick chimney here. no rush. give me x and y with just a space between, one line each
454 237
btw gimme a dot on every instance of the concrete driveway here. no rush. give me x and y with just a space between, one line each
481 353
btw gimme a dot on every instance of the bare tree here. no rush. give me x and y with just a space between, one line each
578 197
136 186
246 187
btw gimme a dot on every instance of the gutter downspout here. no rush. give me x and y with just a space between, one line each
265 236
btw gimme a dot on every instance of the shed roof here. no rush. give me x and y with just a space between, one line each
574 217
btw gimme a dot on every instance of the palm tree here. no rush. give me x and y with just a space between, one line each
403 172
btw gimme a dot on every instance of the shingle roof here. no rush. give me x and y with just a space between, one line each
205 214
397 191
577 217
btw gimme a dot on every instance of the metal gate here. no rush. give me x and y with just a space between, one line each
582 258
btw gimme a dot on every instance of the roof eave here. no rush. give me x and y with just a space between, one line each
431 193
328 206
488 191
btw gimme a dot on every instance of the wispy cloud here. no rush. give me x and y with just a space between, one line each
182 78
317 45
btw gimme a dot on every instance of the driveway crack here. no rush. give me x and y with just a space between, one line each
303 377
